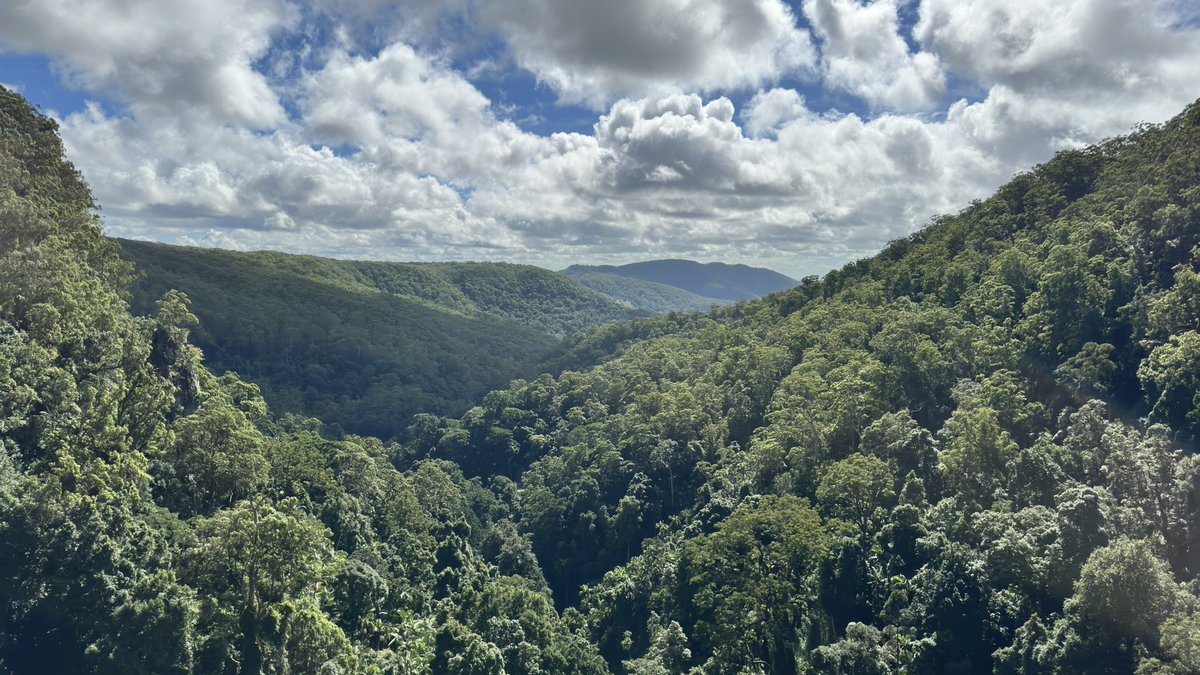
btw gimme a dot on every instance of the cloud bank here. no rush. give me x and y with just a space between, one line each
267 125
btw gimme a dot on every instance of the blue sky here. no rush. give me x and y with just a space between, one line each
794 135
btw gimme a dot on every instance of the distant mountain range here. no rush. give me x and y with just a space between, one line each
705 283
648 296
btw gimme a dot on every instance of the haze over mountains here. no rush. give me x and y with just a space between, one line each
716 281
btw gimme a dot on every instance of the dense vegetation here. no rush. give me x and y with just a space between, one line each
365 345
716 281
970 453
648 296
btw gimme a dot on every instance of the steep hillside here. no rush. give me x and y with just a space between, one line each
970 453
719 281
365 345
648 296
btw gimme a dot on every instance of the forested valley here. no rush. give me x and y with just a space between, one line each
972 452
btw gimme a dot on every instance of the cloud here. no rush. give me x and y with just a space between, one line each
257 126
677 141
1068 49
187 178
768 110
593 52
862 53
189 56
407 111
678 173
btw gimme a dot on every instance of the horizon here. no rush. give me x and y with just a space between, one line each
792 135
558 270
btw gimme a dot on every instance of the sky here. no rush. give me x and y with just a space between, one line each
796 135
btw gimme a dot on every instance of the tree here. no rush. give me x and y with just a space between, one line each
1171 378
856 488
668 651
216 461
858 653
1067 309
256 561
751 582
975 451
1124 594
903 444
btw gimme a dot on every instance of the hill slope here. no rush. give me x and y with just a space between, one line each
719 281
532 296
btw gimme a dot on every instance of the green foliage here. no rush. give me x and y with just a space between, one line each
1171 378
856 487
352 344
753 584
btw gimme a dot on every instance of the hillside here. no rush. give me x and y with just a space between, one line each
973 452
648 296
366 345
719 281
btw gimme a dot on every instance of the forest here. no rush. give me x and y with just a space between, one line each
972 452
365 345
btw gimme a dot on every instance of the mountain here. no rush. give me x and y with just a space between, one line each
719 281
972 452
648 296
366 345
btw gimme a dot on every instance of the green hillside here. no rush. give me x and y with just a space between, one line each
532 296
366 345
973 452
156 519
648 296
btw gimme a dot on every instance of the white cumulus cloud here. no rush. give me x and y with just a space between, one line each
186 56
593 52
232 125
863 53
